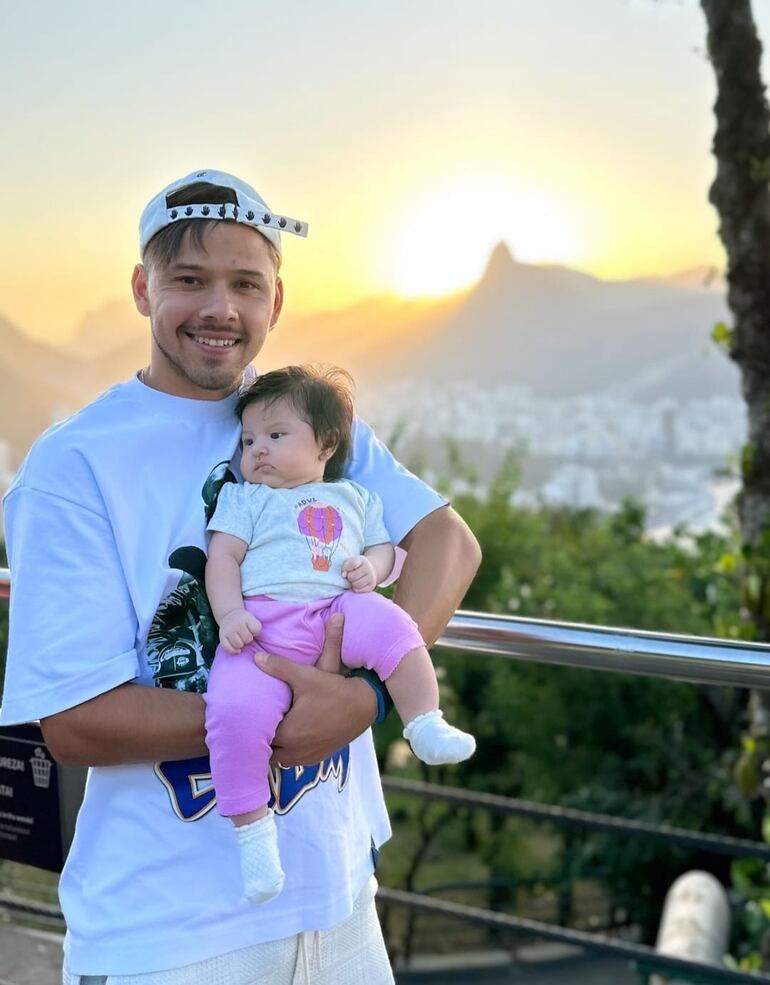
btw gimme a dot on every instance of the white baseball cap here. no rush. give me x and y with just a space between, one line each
245 206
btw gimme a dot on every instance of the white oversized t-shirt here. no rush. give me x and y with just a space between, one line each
105 530
299 538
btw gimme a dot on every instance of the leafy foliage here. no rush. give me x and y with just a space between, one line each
634 747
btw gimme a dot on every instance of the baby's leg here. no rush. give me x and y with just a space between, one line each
243 708
381 636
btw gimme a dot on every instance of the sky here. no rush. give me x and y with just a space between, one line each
412 135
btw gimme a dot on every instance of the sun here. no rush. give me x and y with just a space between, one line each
442 240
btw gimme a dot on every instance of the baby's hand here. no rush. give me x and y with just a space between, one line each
237 628
360 573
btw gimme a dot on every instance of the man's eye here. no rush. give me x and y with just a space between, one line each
187 280
246 285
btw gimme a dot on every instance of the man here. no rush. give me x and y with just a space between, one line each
111 638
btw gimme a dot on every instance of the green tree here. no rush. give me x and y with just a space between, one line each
631 746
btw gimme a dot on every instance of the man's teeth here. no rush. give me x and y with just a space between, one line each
216 343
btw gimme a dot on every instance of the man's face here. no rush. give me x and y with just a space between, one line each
210 310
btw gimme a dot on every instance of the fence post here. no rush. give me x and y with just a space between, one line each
695 924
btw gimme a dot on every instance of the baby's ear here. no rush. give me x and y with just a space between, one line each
329 445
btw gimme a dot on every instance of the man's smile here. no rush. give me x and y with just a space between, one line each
212 342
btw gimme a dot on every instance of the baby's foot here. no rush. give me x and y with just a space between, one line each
260 861
435 741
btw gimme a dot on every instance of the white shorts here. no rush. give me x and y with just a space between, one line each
349 954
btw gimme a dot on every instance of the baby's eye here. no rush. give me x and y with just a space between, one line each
247 442
275 434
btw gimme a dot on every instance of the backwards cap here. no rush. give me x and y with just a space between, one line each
244 205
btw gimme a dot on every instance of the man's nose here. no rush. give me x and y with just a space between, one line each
218 304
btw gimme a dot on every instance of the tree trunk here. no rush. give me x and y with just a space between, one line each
742 200
741 197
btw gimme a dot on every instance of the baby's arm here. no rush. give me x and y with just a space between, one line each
237 627
368 570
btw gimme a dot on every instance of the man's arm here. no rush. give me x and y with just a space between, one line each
129 724
136 724
442 559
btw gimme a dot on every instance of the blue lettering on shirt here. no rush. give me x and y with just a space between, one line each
191 792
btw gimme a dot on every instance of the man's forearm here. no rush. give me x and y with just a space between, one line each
442 559
129 724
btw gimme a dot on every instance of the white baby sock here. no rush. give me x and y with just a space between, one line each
260 861
435 741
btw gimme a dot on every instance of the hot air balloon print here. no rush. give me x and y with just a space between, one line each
321 526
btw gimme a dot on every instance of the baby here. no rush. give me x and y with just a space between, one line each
293 544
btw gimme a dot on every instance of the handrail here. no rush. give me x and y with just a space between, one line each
640 953
698 659
571 817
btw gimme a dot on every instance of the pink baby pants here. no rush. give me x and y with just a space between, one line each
244 704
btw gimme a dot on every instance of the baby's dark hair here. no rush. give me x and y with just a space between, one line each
321 395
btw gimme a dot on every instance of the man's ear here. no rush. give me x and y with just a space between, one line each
139 289
278 303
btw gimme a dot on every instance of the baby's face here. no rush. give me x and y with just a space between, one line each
279 449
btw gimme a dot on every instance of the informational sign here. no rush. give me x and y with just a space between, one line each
38 800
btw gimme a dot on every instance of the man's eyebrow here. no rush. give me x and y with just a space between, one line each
197 267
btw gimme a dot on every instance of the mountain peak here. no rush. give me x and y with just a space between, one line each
500 263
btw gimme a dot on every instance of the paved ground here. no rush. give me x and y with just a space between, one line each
33 957
29 957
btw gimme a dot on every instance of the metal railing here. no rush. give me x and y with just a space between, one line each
699 660
667 655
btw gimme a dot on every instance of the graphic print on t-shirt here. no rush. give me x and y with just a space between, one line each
181 645
321 526
183 636
188 783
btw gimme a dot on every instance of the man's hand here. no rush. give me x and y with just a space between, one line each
237 628
359 571
328 710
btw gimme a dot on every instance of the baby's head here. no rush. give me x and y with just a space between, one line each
319 396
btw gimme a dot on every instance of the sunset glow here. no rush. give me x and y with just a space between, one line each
443 241
412 139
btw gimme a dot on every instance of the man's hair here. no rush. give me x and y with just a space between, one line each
165 245
322 396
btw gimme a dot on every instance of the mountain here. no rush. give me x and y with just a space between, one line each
563 333
555 330
552 329
38 385
98 329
